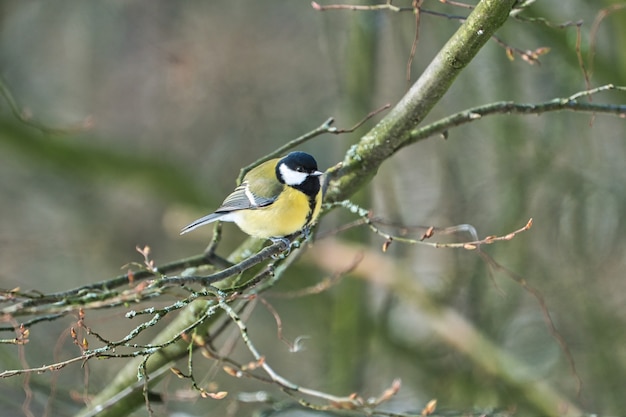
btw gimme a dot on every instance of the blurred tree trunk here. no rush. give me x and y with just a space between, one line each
350 325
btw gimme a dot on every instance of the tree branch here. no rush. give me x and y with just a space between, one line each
508 107
394 131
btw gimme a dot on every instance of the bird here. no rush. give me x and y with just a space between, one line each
275 200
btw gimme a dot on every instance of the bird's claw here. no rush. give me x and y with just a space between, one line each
284 241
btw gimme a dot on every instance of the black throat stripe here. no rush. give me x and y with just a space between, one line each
311 187
312 204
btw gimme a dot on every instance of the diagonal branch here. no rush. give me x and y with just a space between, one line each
394 131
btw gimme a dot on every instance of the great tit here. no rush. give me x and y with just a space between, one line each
276 199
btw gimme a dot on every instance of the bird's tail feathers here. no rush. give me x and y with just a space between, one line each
210 218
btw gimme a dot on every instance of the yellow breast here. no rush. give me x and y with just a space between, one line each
289 214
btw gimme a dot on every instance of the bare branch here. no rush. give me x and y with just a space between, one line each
570 103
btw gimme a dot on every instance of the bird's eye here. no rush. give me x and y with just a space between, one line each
300 169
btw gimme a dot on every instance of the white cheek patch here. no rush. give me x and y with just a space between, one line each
290 176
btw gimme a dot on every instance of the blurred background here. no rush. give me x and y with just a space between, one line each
150 109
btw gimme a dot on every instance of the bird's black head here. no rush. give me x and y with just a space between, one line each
300 162
299 170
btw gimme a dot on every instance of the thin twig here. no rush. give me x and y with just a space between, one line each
354 7
362 121
593 32
320 130
323 285
371 222
102 288
417 11
335 401
26 119
266 253
325 127
508 107
554 332
102 295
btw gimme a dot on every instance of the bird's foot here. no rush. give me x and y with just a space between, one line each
286 242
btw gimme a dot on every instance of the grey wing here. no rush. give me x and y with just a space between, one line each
243 199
